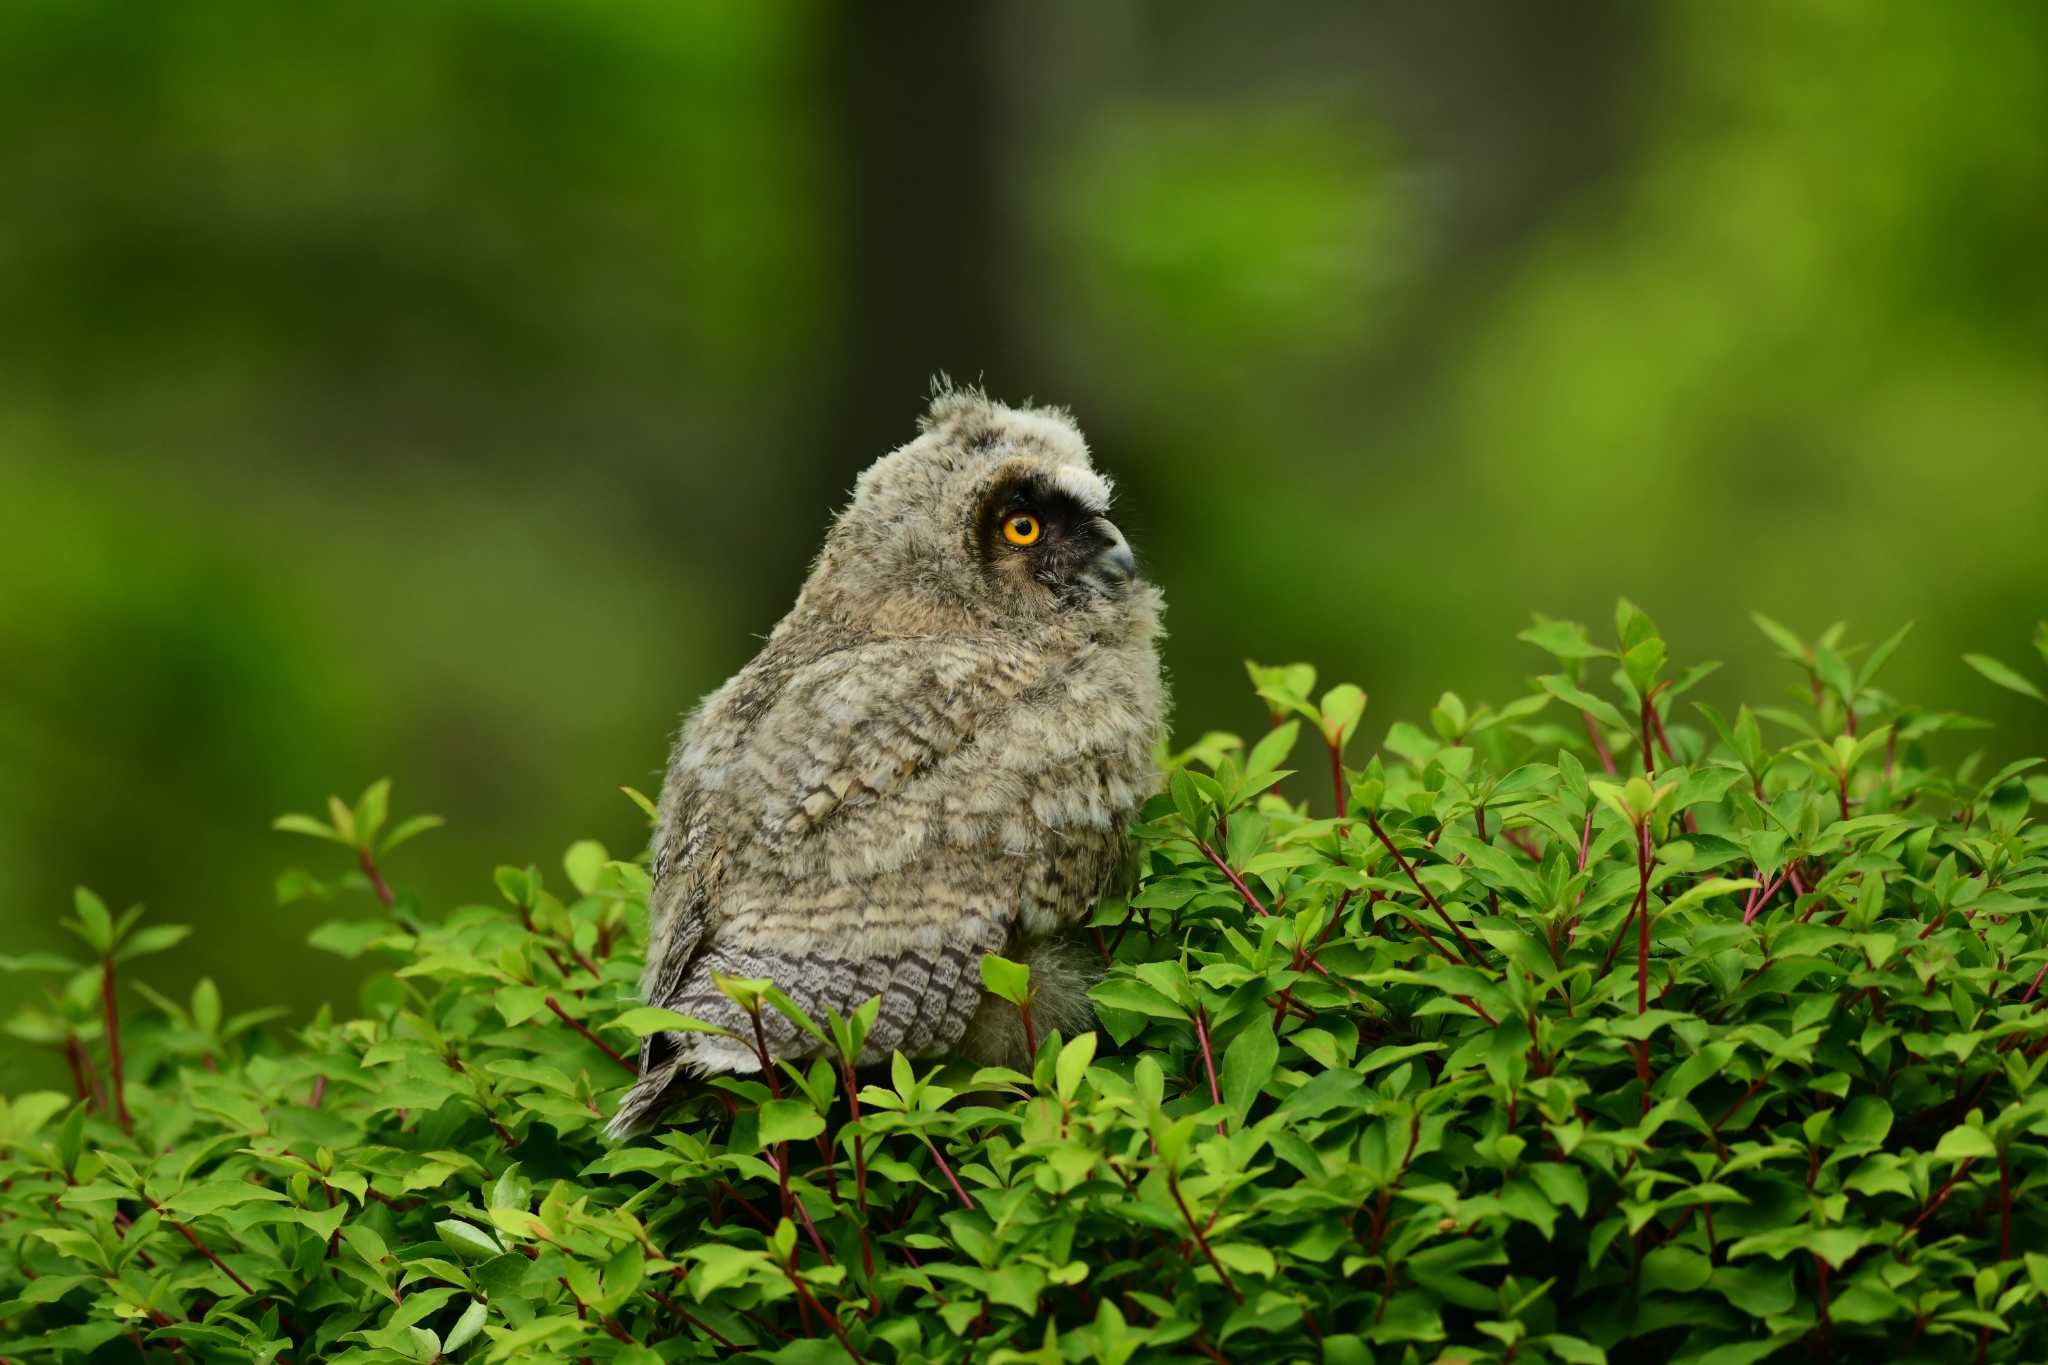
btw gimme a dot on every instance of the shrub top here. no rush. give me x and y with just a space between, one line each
1594 1025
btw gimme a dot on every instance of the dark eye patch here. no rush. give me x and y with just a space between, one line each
1057 511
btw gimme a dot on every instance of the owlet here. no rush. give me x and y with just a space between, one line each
933 758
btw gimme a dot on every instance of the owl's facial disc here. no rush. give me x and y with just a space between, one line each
1038 529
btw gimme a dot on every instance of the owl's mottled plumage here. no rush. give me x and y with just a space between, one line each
934 757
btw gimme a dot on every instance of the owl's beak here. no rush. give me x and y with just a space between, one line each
1113 565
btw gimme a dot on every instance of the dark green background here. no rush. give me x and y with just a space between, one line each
455 391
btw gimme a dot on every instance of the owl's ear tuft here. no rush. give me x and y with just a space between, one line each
965 413
952 403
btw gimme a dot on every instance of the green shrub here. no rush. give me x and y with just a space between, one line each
1598 1026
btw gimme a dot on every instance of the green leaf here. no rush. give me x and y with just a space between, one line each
1632 626
1270 752
511 1191
212 1196
371 810
789 1121
1867 1118
1565 639
157 938
467 1239
1075 1055
719 1266
1342 707
206 1006
646 1019
466 1327
2005 677
1791 645
1248 1065
1188 800
350 938
1881 655
1123 993
1674 1269
1007 979
94 924
583 862
408 830
1758 1288
307 825
1965 1141
36 962
1612 796
1708 889
1643 663
1572 695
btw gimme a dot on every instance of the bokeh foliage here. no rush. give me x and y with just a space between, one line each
1591 1026
459 390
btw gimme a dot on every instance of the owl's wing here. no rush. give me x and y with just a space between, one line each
798 845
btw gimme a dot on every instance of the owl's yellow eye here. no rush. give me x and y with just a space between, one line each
1022 529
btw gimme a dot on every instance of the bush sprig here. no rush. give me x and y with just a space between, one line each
1592 1025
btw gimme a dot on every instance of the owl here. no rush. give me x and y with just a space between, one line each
934 757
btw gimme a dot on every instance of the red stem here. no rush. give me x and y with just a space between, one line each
1692 826
1643 926
1621 935
761 1051
1245 891
114 1061
1208 1060
1746 1097
1761 898
933 1148
1337 784
593 1039
812 1228
666 1302
1304 956
860 1170
203 1249
780 1159
1599 744
1941 1195
831 1318
377 885
1254 902
2035 988
1173 1185
1479 825
82 1079
1663 740
1478 959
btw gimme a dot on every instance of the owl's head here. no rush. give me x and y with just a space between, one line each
993 511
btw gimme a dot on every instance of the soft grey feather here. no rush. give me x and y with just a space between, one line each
934 757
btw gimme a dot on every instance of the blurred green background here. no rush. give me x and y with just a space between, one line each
456 391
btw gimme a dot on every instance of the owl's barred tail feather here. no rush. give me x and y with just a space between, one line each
1061 973
644 1104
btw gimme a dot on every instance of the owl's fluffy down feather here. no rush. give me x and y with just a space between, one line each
934 757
